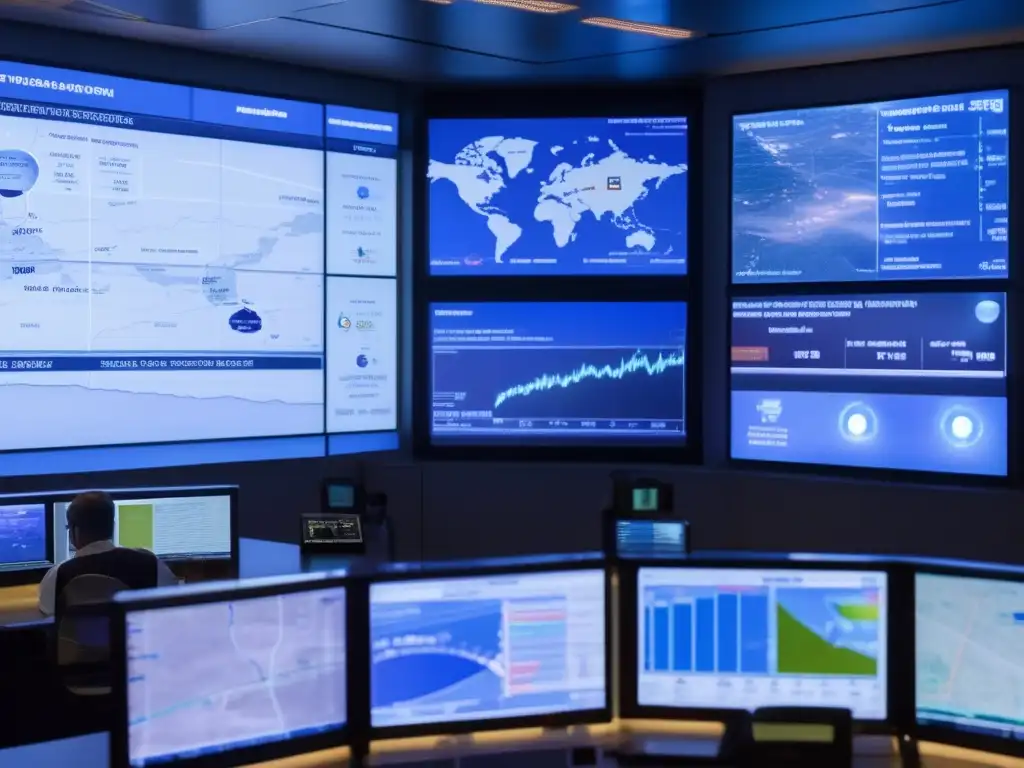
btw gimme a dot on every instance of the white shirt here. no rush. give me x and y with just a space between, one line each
48 586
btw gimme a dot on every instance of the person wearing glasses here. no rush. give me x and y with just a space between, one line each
90 524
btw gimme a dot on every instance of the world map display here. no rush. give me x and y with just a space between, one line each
578 196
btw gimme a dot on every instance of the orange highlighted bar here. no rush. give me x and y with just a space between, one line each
750 354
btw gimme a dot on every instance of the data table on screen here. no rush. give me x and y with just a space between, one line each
362 192
558 196
164 261
558 372
362 354
487 647
172 527
969 654
914 189
913 382
210 678
742 639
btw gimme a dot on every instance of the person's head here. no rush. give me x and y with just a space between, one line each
90 518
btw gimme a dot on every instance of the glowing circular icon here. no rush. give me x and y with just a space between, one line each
343 322
20 172
362 361
363 193
858 423
987 311
961 427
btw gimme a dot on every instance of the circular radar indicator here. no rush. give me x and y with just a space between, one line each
19 172
961 427
987 311
858 423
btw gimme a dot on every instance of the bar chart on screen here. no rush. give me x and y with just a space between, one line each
743 639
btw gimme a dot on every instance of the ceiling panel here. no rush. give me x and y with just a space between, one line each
425 42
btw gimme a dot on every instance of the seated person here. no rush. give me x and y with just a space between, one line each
90 523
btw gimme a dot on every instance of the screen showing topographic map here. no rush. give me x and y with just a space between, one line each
970 654
214 677
568 196
161 258
901 190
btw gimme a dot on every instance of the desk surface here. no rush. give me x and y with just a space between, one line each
92 751
19 605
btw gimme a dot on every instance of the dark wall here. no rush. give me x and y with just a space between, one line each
500 509
471 509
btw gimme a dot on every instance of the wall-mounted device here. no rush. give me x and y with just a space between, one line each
644 495
642 536
343 495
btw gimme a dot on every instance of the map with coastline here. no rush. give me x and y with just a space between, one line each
571 196
209 677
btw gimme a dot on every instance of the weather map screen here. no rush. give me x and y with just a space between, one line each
912 382
487 647
362 354
362 192
743 639
554 372
563 196
215 677
162 259
900 190
970 654
23 536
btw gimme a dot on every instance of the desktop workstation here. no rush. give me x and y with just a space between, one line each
396 655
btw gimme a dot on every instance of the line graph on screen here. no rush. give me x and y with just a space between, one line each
639 362
559 389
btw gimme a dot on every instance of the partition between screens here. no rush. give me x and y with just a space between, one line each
870 253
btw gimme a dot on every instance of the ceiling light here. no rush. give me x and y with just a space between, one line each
657 30
440 2
534 6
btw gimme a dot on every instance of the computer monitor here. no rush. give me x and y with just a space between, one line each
335 534
488 651
969 658
235 673
175 524
709 640
24 537
646 537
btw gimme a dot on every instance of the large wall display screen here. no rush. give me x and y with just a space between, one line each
969 656
362 192
900 381
900 190
585 373
362 354
558 196
162 259
743 639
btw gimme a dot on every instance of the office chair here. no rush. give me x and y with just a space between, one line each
83 634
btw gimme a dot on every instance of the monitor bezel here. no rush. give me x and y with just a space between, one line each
887 288
29 574
947 734
189 491
172 598
680 99
460 727
633 449
802 105
898 704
